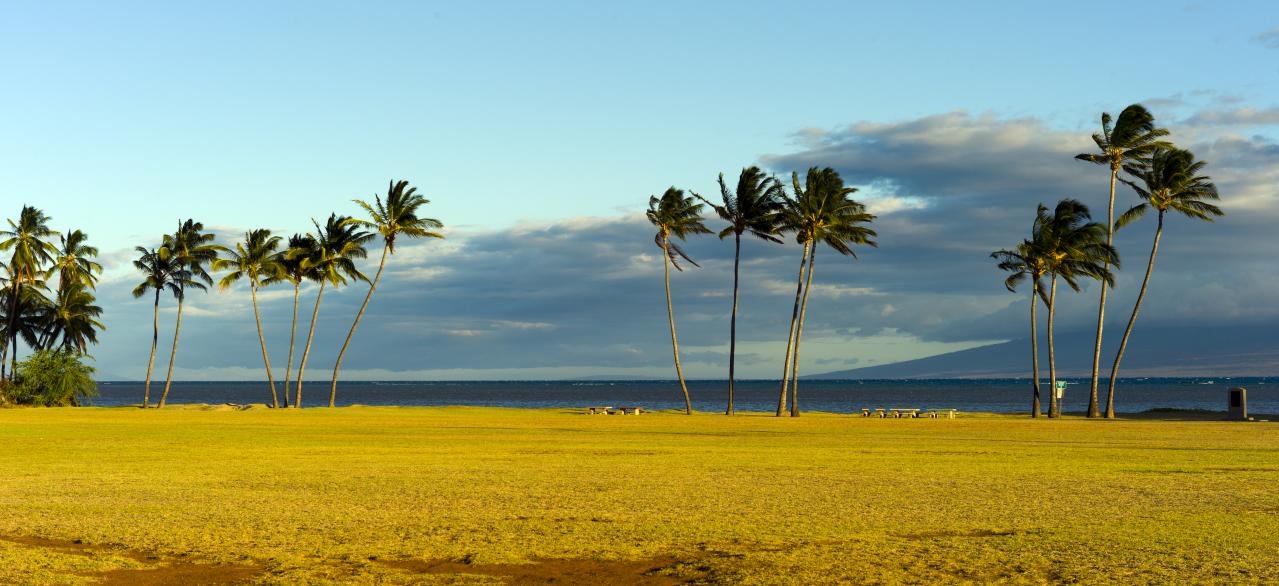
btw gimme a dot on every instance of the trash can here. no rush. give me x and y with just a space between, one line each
1238 404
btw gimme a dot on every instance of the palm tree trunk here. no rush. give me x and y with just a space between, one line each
1101 307
1034 349
799 335
257 317
173 354
155 341
790 334
333 389
297 403
1123 344
293 330
732 327
670 314
15 290
1054 406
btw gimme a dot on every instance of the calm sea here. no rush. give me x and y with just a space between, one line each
991 395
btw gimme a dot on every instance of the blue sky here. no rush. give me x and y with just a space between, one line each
120 118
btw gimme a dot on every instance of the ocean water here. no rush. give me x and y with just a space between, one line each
841 396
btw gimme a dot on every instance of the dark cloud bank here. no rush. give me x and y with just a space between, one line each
585 295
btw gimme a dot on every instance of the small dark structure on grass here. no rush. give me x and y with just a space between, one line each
1238 402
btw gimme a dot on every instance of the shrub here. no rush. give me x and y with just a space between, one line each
52 378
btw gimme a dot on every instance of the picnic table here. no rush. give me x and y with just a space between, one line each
598 410
946 413
630 410
899 413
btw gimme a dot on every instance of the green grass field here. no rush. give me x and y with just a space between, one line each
472 495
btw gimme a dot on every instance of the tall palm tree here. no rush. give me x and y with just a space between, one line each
678 216
159 274
1130 141
74 262
338 245
755 207
1023 263
823 212
393 218
28 240
192 249
1170 183
256 259
1072 246
72 318
293 271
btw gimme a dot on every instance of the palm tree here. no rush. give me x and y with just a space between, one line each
74 262
28 239
395 217
1026 262
293 271
338 244
191 249
1071 246
73 318
678 216
1129 142
1170 183
256 259
755 207
30 316
160 274
823 211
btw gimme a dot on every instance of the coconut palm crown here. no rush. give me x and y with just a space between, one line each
255 258
675 214
74 262
754 208
397 215
1171 183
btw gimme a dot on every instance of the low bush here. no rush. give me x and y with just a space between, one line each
50 378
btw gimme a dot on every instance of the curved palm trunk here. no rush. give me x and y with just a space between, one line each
297 403
173 354
799 335
155 341
790 335
732 327
1101 307
1123 344
1054 406
257 317
670 314
293 330
1034 350
333 389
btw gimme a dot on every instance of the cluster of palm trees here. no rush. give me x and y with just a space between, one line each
46 289
1068 245
821 210
328 257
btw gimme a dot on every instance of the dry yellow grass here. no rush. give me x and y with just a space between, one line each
312 496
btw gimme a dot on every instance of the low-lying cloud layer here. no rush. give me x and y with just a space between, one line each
584 296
